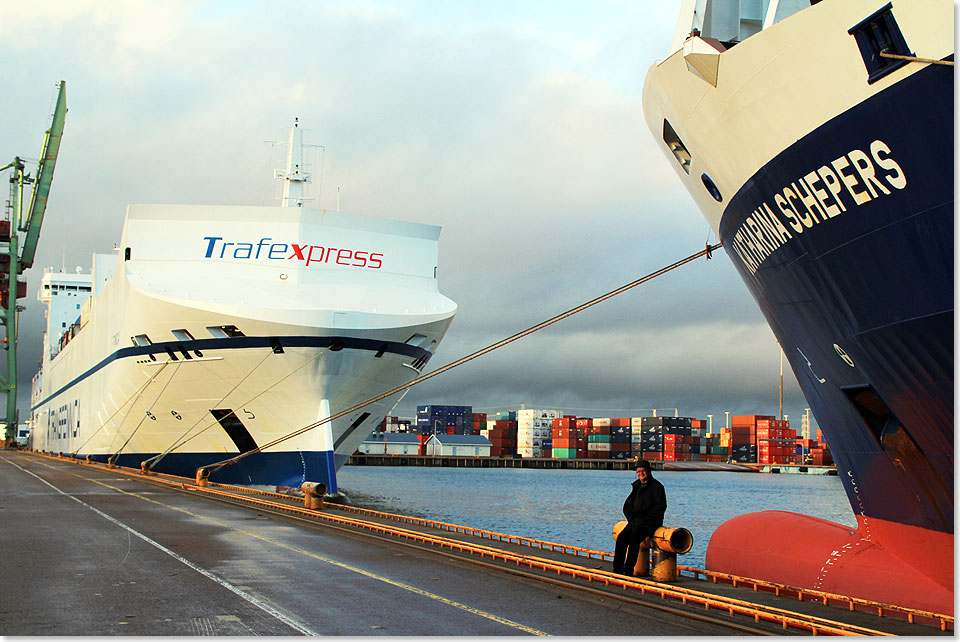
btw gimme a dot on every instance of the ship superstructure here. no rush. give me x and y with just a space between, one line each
818 142
214 330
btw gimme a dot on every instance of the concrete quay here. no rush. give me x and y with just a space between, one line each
94 551
91 552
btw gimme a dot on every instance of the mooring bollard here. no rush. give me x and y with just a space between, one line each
203 477
313 493
112 461
665 545
642 567
664 565
144 467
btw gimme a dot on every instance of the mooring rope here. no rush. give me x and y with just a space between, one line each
134 396
177 443
707 251
155 459
148 412
931 61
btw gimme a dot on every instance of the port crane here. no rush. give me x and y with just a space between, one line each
19 234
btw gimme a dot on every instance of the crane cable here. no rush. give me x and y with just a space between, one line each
209 469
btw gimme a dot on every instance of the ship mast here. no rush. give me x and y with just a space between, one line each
294 176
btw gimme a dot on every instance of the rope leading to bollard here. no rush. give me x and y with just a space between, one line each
206 471
929 61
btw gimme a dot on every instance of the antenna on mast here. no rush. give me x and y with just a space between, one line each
294 175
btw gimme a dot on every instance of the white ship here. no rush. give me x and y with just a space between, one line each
214 330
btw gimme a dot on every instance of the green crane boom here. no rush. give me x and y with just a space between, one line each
41 188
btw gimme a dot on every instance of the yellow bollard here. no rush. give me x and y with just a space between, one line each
673 540
203 477
665 545
111 462
313 493
144 467
642 567
664 565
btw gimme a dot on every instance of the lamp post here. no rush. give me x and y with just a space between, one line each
710 417
728 418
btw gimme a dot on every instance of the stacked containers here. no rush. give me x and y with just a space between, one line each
479 422
743 428
712 448
803 448
820 455
567 438
502 433
672 436
650 441
391 423
776 442
620 438
533 427
449 420
598 438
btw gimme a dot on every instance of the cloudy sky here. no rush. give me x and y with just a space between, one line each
516 126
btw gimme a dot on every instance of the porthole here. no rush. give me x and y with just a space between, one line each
712 188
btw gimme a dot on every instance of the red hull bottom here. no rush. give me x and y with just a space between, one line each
812 553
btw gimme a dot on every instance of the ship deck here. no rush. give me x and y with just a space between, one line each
96 551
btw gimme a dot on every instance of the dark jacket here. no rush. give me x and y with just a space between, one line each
646 505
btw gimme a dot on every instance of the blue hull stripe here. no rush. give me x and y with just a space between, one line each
267 469
241 343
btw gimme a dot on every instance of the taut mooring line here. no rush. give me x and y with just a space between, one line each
707 251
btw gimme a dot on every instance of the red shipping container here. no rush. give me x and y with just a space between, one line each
749 420
584 423
598 430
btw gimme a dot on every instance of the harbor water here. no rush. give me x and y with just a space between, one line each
579 507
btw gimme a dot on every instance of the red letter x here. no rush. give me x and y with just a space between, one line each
297 251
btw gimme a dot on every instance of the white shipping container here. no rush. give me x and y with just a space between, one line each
600 446
535 413
601 421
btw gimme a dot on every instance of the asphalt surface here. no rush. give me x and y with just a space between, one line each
90 552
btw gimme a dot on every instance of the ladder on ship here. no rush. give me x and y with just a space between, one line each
19 234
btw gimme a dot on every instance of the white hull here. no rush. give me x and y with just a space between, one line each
103 395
